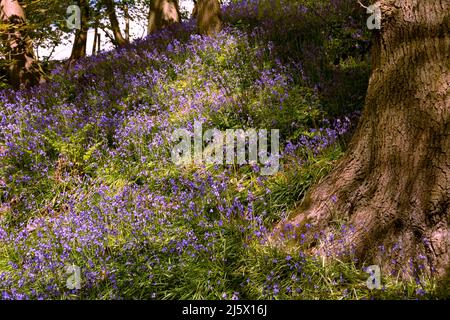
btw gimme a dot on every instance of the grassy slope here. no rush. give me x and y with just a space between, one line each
87 178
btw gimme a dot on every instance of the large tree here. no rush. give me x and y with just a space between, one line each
393 184
23 68
208 15
80 42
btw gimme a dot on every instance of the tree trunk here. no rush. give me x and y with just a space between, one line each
150 17
393 184
209 16
127 22
23 68
94 45
115 27
79 44
162 14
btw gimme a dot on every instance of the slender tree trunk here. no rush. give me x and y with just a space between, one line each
127 23
24 70
94 45
79 44
149 20
115 27
393 184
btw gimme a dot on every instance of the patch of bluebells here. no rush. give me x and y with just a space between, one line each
65 144
319 139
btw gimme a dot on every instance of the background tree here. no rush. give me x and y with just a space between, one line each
127 18
115 27
46 21
80 42
393 184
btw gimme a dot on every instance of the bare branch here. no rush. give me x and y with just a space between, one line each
362 5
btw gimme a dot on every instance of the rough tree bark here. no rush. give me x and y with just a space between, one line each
393 184
115 27
79 44
209 16
162 14
24 69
